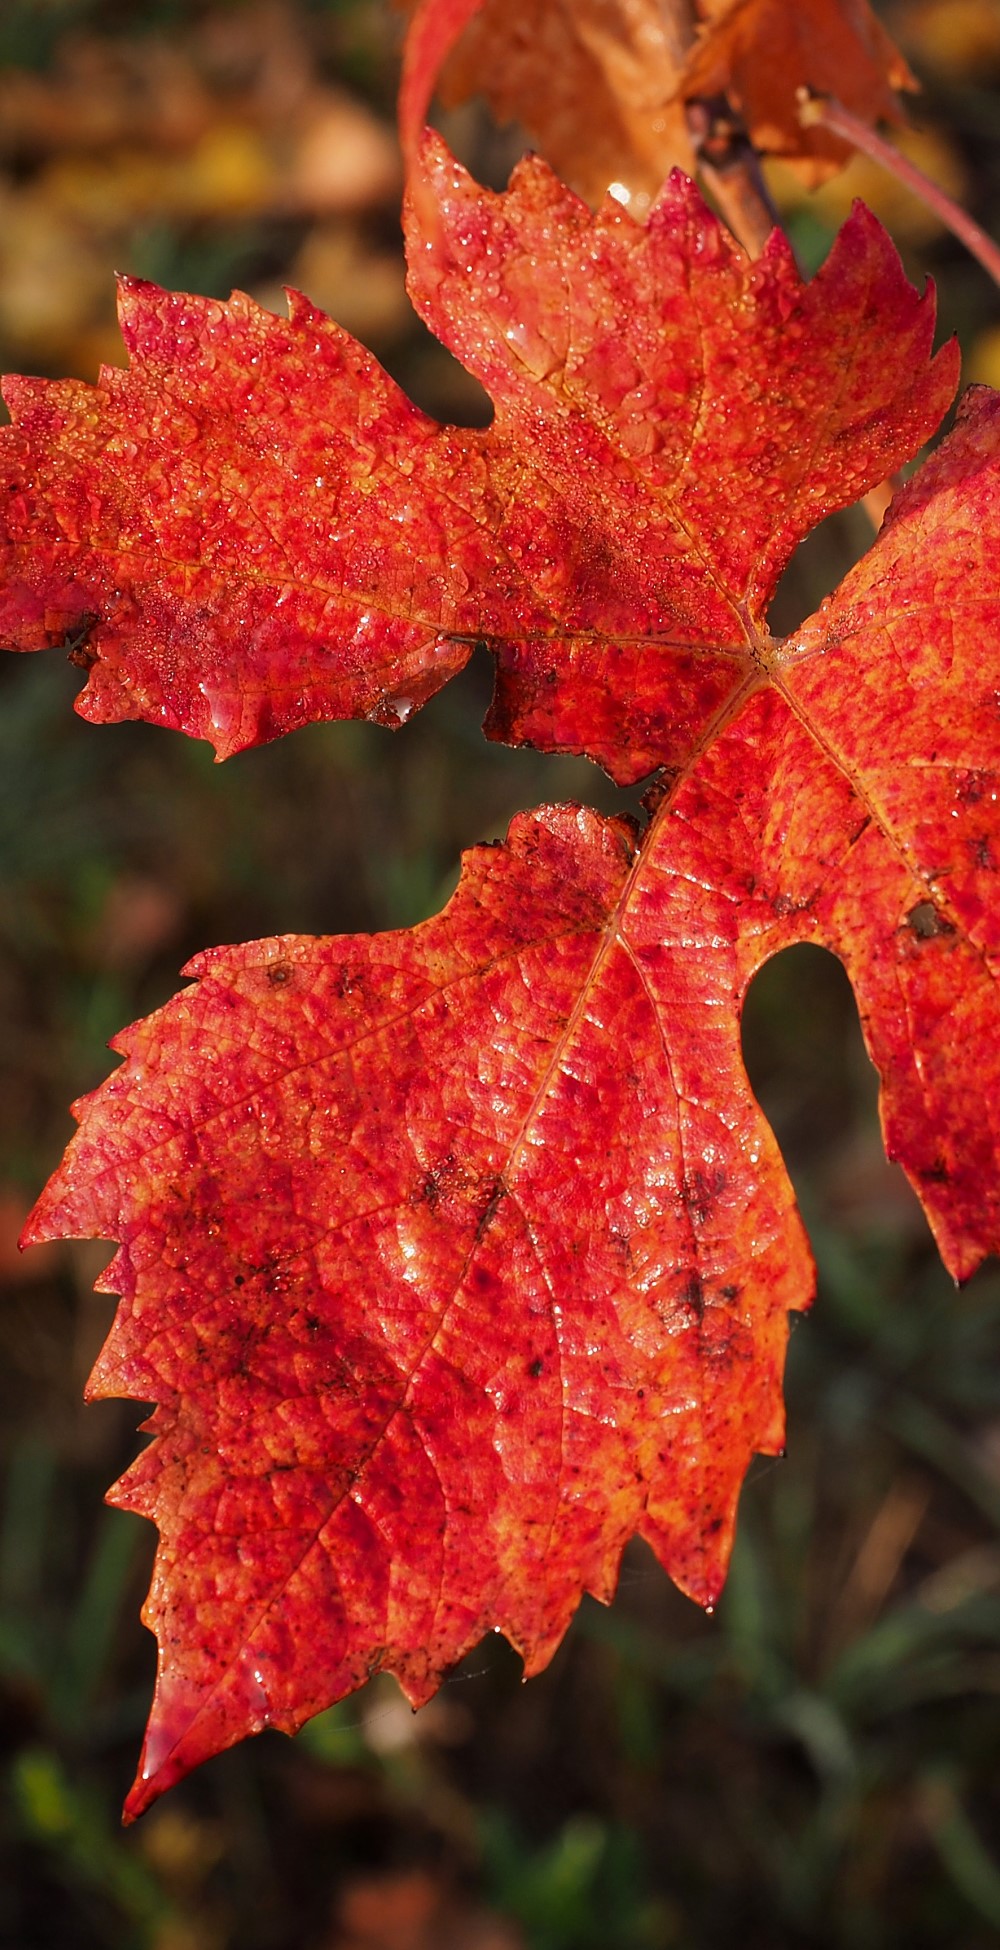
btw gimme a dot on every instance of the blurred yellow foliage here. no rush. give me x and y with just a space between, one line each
983 362
132 151
956 38
53 274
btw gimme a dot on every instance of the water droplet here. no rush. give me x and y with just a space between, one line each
255 1691
223 711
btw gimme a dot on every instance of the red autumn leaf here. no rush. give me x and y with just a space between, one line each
671 420
444 1279
254 528
455 1256
248 483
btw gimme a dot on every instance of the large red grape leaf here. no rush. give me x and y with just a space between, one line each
453 1257
253 527
424 1242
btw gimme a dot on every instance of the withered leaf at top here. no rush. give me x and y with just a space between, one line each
759 53
591 81
602 86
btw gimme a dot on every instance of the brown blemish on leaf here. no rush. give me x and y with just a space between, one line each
926 921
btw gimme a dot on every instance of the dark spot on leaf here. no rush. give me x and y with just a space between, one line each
75 643
701 1191
971 789
239 1280
622 1247
278 974
729 1292
783 906
535 1368
937 1173
657 790
925 921
693 1295
497 1192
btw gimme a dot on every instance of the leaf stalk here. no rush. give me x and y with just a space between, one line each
824 111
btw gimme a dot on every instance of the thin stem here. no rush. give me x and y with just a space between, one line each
730 168
826 112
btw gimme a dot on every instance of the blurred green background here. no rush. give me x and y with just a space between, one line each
818 1763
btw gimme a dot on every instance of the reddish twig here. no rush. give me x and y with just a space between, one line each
826 112
730 168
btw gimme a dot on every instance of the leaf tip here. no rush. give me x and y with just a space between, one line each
171 1746
135 297
42 1225
141 1796
301 310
